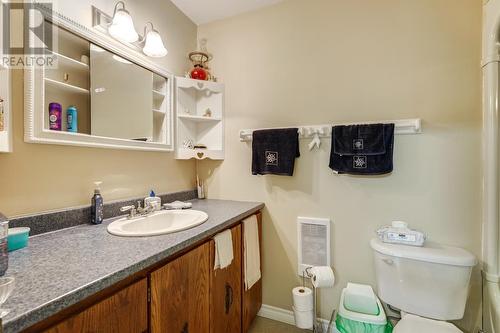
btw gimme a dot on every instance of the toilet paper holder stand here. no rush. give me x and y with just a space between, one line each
317 327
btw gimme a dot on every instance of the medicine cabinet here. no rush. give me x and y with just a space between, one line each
123 100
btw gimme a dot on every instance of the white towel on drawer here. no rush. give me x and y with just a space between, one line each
251 251
223 249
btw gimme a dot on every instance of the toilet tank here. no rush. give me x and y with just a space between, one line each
430 281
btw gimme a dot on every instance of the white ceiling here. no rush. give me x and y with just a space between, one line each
204 11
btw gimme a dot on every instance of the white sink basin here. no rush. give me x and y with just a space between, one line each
158 223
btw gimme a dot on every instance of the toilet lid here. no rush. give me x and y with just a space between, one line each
415 324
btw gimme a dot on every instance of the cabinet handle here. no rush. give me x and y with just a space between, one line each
229 297
185 328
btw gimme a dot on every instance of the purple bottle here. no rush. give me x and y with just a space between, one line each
55 116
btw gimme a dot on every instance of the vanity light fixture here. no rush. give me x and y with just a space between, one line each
153 44
122 26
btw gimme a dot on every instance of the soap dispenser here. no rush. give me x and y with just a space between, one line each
96 211
153 201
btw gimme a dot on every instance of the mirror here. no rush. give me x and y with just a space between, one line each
120 97
99 94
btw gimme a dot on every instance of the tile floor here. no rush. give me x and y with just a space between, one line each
264 325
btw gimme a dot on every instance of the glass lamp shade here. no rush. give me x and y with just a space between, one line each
153 47
122 27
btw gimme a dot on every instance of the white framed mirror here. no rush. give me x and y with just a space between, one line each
97 92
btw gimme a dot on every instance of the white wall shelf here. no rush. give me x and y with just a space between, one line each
198 118
6 133
194 99
5 94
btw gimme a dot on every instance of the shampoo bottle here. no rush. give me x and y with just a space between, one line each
96 211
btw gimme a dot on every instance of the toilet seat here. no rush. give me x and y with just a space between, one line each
415 324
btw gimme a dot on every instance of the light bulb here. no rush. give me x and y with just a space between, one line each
153 46
122 27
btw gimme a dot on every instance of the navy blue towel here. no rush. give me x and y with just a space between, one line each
362 149
274 151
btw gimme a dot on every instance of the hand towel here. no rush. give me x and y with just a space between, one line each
274 151
362 149
251 251
223 249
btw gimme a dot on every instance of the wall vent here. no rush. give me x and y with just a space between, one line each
313 242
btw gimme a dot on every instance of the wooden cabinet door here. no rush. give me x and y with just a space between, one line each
225 290
180 294
124 312
252 298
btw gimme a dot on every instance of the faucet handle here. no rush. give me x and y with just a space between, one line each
127 208
139 203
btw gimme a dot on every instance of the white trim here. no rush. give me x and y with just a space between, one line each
34 131
286 316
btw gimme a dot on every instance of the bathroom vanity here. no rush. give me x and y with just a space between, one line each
134 284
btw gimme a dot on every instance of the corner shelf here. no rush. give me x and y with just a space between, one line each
194 98
198 118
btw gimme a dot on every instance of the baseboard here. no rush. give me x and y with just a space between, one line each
286 316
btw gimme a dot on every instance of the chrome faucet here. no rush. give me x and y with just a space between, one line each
139 211
146 210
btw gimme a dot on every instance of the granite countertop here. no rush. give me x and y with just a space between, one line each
61 268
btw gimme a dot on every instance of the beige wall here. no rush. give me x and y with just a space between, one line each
323 61
38 177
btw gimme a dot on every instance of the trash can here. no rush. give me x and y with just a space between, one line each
356 322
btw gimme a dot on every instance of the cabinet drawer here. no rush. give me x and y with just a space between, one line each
124 312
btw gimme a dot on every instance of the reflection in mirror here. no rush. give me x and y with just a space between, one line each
121 97
108 95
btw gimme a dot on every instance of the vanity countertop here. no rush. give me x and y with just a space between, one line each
61 268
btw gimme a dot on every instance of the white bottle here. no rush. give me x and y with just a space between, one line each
153 201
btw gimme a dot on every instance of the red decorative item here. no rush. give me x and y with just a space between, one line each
200 59
198 73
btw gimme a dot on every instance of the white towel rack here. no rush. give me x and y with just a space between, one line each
402 126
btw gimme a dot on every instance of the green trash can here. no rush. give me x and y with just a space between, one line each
355 322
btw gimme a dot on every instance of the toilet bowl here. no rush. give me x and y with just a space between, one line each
428 284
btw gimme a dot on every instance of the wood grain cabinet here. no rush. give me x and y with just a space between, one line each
180 300
225 290
124 312
186 295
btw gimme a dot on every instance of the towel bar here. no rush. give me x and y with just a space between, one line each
402 126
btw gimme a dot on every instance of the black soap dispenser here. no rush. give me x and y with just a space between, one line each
96 211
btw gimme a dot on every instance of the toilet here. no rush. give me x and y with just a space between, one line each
428 284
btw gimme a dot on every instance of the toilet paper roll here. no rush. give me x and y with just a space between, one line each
303 319
302 298
322 277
